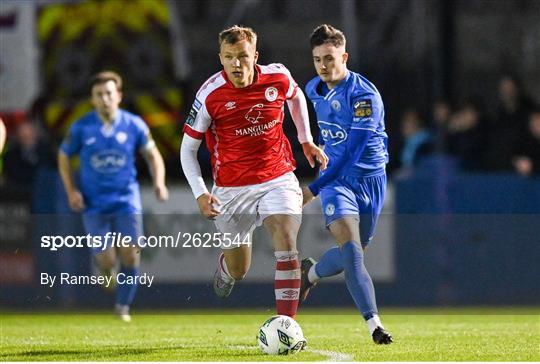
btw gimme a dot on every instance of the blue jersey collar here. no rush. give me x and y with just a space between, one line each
108 129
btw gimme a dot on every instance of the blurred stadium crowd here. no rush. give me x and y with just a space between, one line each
504 138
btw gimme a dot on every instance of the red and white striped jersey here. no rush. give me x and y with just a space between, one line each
244 126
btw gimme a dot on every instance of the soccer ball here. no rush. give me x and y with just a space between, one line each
281 335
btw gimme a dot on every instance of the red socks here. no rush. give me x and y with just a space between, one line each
287 283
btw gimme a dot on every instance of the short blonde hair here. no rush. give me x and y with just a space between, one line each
237 33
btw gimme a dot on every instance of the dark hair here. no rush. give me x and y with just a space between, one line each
237 33
326 33
106 76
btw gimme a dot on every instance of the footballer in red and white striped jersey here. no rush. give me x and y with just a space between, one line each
240 112
243 126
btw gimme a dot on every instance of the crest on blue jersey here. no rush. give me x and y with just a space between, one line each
335 105
121 137
330 209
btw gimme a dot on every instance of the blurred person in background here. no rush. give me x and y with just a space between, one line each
467 136
418 141
526 159
240 112
441 112
350 114
107 140
25 153
509 125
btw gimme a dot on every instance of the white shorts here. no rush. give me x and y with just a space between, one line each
244 208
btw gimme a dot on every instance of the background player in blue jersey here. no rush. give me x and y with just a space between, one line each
350 115
107 140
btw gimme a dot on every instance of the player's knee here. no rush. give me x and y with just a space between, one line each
286 240
130 257
106 260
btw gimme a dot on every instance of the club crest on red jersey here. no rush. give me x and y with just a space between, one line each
271 94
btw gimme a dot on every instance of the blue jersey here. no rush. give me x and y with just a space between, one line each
355 103
107 161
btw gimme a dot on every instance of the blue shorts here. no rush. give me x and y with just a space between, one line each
358 197
122 223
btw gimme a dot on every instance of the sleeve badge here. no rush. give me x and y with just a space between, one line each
190 120
363 108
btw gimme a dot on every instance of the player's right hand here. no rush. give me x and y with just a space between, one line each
314 153
206 203
76 201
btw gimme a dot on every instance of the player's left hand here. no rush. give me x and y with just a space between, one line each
307 196
162 192
314 153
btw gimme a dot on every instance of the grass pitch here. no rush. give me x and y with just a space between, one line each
421 335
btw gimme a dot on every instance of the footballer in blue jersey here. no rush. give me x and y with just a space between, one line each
107 140
350 115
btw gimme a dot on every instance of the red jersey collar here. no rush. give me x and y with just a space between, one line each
255 77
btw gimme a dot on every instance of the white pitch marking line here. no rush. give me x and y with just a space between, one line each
243 347
331 355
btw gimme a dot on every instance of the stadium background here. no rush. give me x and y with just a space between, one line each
452 233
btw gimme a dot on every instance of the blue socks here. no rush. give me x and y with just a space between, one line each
358 279
330 263
125 293
350 258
